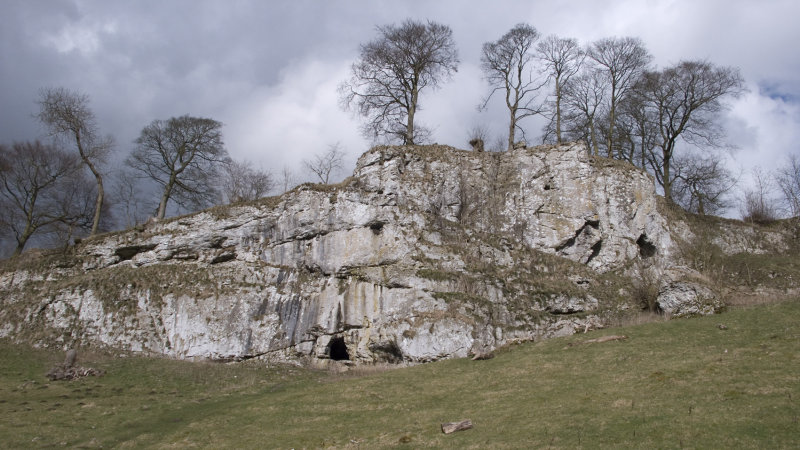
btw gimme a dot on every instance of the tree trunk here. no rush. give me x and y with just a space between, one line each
643 151
452 427
700 208
411 111
98 205
610 140
512 128
409 140
162 205
558 111
666 181
22 241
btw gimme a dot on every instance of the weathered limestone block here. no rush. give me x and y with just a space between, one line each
684 298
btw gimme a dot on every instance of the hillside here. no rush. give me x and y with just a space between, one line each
681 383
424 253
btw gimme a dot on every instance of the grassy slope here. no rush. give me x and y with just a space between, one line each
683 383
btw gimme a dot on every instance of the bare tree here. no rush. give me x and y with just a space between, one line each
478 135
583 98
287 179
640 128
562 59
243 183
323 165
508 65
685 101
183 155
393 70
622 61
758 205
41 187
788 180
129 198
66 113
702 184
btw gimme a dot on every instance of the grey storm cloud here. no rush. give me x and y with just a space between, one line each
269 69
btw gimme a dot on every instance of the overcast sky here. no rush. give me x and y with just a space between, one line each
268 70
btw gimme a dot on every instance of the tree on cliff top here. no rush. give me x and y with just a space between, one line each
508 66
621 61
392 71
66 113
184 156
42 191
685 101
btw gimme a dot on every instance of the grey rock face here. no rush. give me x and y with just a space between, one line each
683 298
424 253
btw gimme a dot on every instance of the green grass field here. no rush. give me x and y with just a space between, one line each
682 383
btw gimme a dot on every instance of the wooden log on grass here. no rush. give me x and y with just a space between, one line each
452 427
602 339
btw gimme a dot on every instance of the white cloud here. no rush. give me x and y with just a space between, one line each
768 129
281 125
82 37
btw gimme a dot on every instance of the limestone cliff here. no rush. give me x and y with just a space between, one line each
424 253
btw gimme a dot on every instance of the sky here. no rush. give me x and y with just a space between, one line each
269 70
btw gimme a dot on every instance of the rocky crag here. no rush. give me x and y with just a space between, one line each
426 252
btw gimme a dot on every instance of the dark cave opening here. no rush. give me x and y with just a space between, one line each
646 248
337 349
376 227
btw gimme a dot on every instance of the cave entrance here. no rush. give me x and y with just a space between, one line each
646 248
337 349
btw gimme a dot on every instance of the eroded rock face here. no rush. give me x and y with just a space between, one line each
683 298
425 253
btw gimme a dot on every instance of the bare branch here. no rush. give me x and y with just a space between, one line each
325 164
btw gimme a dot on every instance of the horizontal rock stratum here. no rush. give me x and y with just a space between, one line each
426 252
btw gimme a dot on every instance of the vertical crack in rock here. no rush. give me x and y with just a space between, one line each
595 250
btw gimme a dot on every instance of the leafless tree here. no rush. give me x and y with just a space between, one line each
686 100
323 165
66 114
287 179
788 180
392 71
640 128
41 188
243 183
478 137
758 204
184 156
702 184
562 59
583 100
622 61
128 195
508 65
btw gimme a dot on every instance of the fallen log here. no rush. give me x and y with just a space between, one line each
483 356
599 340
602 339
452 427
